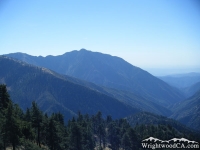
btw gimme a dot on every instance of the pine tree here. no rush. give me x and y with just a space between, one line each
132 138
52 138
36 120
113 135
101 133
75 136
4 98
27 116
4 103
87 140
2 131
125 141
12 127
44 129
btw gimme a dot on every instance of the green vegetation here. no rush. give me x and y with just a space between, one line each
35 130
157 122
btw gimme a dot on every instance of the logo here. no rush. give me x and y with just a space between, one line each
154 143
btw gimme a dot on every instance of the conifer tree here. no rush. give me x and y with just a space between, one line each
125 141
27 116
4 98
75 135
44 129
132 138
36 119
52 138
12 128
4 102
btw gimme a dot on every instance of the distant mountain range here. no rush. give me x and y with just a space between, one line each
54 92
182 80
108 71
188 83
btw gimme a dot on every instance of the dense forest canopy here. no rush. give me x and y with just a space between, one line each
35 130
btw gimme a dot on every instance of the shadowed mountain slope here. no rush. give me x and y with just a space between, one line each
147 118
54 92
132 99
189 91
188 111
108 71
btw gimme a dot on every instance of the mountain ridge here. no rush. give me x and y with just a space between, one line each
109 71
135 101
53 92
182 80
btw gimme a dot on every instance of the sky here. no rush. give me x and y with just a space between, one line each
160 36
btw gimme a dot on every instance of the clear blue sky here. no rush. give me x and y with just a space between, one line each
150 34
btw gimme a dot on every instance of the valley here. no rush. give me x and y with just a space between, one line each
99 75
88 82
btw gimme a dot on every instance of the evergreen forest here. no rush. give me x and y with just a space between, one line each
33 129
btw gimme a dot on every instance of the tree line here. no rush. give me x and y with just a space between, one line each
34 130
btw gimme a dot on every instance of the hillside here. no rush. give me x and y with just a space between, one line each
147 118
134 100
188 111
191 90
137 101
53 92
108 71
85 132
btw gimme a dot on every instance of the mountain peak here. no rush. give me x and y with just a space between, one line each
109 71
83 49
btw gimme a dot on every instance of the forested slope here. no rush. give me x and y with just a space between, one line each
34 130
54 92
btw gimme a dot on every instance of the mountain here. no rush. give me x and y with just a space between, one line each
54 92
188 111
129 98
189 91
137 101
182 80
109 71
